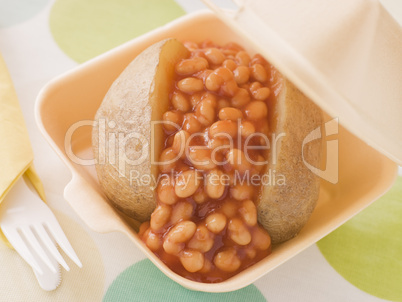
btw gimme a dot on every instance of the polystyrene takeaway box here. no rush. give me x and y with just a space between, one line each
345 56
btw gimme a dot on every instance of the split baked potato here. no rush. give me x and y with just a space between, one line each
140 95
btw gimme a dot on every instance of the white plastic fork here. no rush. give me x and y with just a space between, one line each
32 229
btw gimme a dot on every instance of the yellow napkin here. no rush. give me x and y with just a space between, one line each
16 154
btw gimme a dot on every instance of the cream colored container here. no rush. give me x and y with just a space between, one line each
364 173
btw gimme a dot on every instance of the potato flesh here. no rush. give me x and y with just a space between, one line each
171 53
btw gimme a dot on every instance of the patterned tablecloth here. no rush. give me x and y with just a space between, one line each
40 39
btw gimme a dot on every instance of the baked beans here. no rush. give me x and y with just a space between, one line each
251 253
180 141
219 128
241 74
248 211
259 73
213 82
227 260
207 266
259 92
241 98
172 120
194 99
238 232
229 113
238 160
246 129
191 66
230 88
261 239
223 103
205 224
242 58
258 59
200 196
205 112
229 208
152 240
182 211
230 64
215 56
172 248
216 222
187 183
160 217
241 191
191 123
181 232
209 98
215 186
201 158
224 73
190 85
203 240
190 45
192 260
180 102
219 143
167 160
166 191
143 228
256 110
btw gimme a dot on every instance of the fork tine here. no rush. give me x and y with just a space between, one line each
47 241
30 237
58 234
18 243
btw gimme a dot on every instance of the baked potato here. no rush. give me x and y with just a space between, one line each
283 209
137 97
219 98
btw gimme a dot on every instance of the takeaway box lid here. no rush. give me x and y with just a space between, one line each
345 55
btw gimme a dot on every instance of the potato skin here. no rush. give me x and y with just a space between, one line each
284 209
127 104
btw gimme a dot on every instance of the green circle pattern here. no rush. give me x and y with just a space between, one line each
143 281
85 29
367 250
